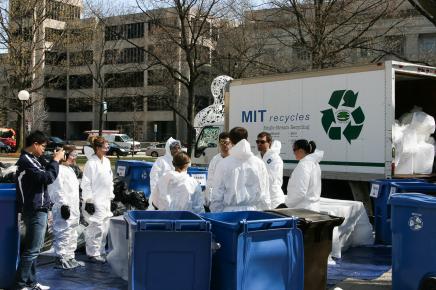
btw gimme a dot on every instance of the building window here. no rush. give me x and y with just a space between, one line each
122 80
395 44
56 105
158 77
61 11
129 31
300 52
427 44
77 105
127 55
55 58
81 82
55 82
81 58
125 104
53 35
157 103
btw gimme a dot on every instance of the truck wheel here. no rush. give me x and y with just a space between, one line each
154 154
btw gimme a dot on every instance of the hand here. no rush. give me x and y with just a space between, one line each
90 208
59 155
65 212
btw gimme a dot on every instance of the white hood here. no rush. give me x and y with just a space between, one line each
315 156
170 141
276 147
241 150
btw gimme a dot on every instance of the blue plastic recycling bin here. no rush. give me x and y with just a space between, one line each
413 240
380 191
136 174
258 251
168 250
9 235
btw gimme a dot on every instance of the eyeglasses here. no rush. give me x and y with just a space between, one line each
261 141
222 142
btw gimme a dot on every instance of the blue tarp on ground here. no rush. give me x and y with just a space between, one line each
363 263
90 277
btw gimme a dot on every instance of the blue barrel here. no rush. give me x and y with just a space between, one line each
413 236
380 191
9 235
258 251
168 250
199 174
136 174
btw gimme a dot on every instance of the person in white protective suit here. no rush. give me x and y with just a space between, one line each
162 165
176 190
304 186
225 145
270 154
64 193
97 193
240 180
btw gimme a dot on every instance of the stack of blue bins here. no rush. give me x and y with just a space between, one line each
380 191
137 174
168 250
413 241
9 235
258 251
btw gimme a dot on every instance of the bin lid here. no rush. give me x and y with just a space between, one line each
405 180
134 163
413 200
309 216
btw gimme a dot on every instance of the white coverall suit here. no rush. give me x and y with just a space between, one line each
178 191
304 186
240 182
65 191
161 166
274 165
97 188
210 177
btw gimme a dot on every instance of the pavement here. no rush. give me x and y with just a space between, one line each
383 282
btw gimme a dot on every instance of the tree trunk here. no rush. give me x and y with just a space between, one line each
191 116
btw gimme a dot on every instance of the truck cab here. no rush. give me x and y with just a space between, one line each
206 146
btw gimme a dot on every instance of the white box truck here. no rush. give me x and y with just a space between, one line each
348 112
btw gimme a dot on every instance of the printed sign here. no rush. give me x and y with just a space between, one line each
393 190
374 190
121 171
200 177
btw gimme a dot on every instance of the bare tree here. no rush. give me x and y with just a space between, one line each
326 33
24 41
180 44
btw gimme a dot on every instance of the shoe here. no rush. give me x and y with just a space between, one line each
66 264
39 286
97 259
77 263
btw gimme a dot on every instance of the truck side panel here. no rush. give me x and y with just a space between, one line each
344 114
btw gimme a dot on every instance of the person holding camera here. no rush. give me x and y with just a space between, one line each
34 174
97 193
64 193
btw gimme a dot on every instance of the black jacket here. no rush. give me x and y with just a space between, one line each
33 176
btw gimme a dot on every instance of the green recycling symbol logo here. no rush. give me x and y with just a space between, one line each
343 118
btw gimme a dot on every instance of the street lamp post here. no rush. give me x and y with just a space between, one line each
23 96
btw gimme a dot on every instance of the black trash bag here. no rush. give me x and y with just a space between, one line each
8 178
120 191
118 208
137 200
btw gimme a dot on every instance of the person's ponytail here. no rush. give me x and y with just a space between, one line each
312 147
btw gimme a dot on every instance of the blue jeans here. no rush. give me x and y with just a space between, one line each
36 224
